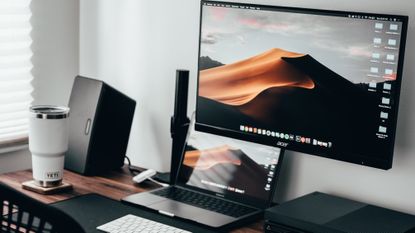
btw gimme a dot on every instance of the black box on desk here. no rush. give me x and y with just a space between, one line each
323 213
99 127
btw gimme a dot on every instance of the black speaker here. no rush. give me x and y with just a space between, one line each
99 127
179 124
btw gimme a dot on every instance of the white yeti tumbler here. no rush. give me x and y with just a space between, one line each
48 142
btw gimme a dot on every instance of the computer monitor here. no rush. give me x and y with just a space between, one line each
321 82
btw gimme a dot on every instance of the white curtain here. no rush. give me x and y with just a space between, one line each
15 71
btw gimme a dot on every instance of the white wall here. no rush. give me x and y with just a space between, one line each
14 161
56 61
136 46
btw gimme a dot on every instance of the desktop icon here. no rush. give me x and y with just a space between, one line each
384 115
392 42
377 40
375 55
388 71
390 57
387 86
385 100
393 27
382 129
372 84
374 70
379 25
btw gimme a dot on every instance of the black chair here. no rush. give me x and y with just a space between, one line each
20 213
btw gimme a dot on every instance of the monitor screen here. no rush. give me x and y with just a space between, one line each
321 82
230 167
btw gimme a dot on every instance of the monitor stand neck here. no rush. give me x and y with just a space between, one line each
178 131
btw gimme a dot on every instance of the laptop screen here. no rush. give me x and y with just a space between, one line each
229 166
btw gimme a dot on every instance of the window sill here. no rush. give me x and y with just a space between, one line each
13 148
15 145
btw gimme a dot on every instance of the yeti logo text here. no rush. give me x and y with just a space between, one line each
52 175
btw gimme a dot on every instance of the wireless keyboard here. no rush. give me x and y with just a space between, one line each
131 224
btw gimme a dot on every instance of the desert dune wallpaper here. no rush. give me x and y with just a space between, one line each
294 73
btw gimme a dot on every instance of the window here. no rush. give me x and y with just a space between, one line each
15 72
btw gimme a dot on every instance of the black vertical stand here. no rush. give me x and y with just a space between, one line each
179 139
178 134
179 124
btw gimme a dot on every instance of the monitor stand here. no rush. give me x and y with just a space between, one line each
163 177
178 134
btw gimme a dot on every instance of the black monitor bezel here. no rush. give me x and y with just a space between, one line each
356 159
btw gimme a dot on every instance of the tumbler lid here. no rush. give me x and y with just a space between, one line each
49 112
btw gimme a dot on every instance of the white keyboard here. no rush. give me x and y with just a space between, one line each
131 224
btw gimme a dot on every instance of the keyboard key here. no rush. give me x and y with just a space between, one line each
204 201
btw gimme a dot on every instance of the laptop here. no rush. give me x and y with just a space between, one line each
222 182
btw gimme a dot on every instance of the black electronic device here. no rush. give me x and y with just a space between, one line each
99 127
179 124
321 82
323 213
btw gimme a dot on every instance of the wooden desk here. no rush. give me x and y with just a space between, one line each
115 185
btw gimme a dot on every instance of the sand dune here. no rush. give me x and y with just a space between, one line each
240 82
205 159
316 101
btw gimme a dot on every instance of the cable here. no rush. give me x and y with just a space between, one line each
135 171
156 182
132 170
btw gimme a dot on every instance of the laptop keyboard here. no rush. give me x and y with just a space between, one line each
204 201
